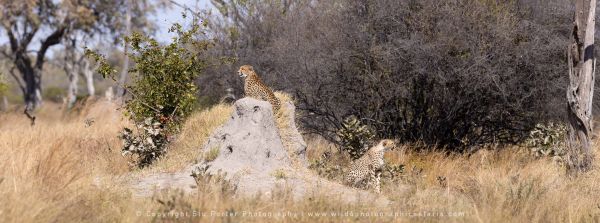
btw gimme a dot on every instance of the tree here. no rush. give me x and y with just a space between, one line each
410 70
26 21
580 92
125 68
136 21
49 21
76 64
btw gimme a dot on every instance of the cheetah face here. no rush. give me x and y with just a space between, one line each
245 70
242 75
388 144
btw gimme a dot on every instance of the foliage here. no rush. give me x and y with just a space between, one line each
47 23
163 76
103 67
162 89
164 86
354 137
148 142
392 171
455 74
548 139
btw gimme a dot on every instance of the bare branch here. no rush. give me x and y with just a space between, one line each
30 116
186 8
51 40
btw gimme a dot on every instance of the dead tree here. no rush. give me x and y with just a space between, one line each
582 67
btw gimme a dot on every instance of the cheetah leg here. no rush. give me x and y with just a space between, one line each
375 181
369 180
378 182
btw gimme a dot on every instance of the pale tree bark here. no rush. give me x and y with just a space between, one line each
76 64
70 67
87 71
582 67
125 68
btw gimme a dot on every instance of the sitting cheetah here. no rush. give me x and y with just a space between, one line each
255 88
368 167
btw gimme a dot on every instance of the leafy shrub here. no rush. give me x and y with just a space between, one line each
162 91
148 142
456 73
392 171
548 139
354 137
163 85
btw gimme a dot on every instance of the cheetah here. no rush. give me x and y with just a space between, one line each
368 167
255 88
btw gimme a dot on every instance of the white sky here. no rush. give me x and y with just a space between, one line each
165 18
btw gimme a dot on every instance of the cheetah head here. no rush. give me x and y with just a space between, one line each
245 70
387 144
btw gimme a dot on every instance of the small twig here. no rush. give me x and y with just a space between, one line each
173 113
186 8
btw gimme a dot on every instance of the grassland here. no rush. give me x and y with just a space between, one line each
64 170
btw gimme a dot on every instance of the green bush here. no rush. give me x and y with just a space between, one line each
162 88
354 137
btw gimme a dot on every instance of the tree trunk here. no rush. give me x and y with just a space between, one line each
125 69
31 73
33 86
581 63
70 67
72 88
88 74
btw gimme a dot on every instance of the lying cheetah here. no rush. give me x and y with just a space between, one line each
368 167
255 88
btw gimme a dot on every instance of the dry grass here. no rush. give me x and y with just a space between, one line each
49 173
188 145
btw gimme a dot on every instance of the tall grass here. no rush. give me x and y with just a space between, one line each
62 170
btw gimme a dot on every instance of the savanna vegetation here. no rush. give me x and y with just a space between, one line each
474 91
